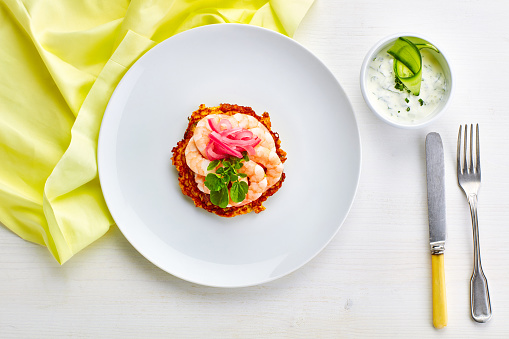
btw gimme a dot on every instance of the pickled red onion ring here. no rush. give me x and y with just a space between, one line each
222 146
211 154
229 141
217 127
213 125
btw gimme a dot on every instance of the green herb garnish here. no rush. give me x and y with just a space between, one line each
225 183
406 100
408 64
399 85
421 102
408 109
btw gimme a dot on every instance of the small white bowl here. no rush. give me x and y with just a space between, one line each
385 43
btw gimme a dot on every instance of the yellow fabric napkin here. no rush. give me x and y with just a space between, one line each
60 61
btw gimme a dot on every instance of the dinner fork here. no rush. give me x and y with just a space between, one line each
469 179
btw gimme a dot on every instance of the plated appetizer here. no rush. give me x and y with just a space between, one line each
229 161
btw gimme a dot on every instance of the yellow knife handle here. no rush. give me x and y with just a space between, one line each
438 287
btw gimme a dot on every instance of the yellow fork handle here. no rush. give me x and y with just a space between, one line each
438 287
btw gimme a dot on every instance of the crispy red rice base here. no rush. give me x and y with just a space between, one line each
186 176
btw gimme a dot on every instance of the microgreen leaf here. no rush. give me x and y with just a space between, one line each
213 182
225 179
218 182
212 165
244 186
237 193
220 198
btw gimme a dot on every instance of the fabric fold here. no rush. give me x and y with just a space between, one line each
74 182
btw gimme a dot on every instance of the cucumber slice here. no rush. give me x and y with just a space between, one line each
408 62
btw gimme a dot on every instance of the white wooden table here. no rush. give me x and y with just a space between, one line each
374 278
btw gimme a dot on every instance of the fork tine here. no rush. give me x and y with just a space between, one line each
471 167
477 151
465 166
459 151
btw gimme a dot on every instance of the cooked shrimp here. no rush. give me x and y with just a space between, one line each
195 160
244 121
271 161
202 131
257 182
266 138
256 127
200 181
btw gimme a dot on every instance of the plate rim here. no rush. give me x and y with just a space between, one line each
181 35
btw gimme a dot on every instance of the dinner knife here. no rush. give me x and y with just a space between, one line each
437 224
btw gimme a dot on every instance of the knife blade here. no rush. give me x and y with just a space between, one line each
435 178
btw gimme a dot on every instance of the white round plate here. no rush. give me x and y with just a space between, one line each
147 116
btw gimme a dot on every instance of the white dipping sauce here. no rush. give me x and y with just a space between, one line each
393 102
